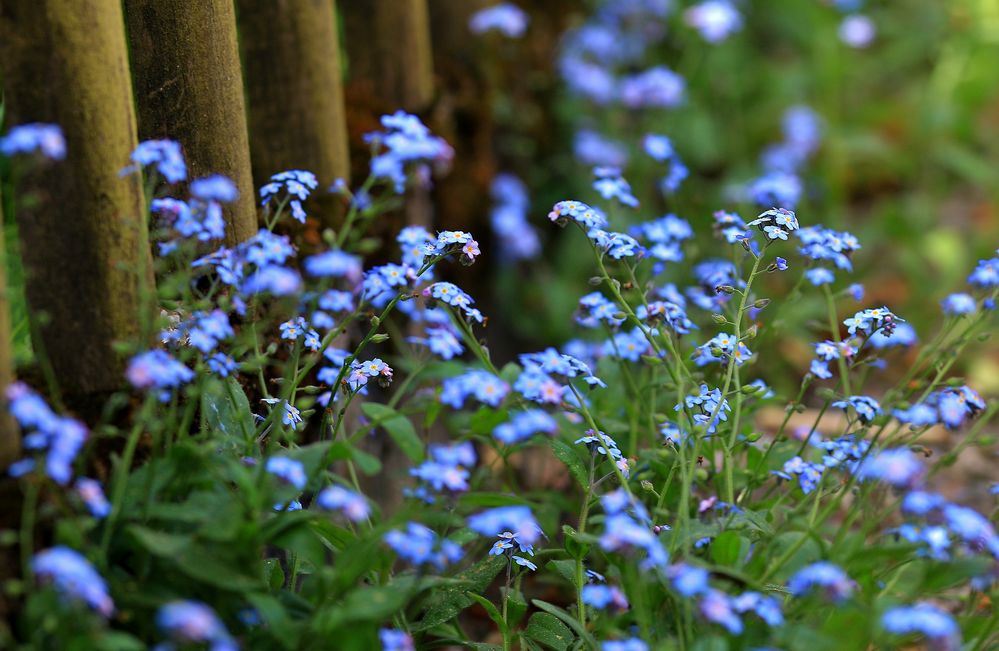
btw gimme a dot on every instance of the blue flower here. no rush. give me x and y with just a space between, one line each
351 504
856 290
986 274
579 212
659 147
523 562
776 188
833 581
631 644
517 519
419 545
898 467
29 138
809 474
934 623
73 577
296 185
447 467
524 425
708 402
518 240
604 596
157 369
688 580
290 416
361 372
657 87
441 341
290 471
857 31
405 143
194 622
766 608
395 640
483 385
622 534
505 18
820 276
165 155
609 184
591 148
958 303
867 408
901 334
90 491
820 243
717 607
336 264
714 19
273 279
214 188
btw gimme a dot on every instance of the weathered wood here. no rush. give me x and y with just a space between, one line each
389 52
82 229
294 93
189 88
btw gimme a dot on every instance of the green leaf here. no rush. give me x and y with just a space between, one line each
399 428
567 455
276 619
492 611
368 463
449 602
726 548
365 604
211 565
568 619
117 641
516 606
549 630
226 408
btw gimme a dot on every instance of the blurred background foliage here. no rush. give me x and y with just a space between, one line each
907 162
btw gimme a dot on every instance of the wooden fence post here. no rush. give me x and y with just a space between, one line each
388 51
292 70
83 234
189 88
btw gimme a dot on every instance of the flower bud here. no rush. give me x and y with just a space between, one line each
751 332
595 280
754 437
647 486
379 338
719 318
724 289
762 303
827 394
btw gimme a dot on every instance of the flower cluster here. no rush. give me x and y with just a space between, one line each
518 240
293 187
193 622
419 545
46 139
73 577
406 144
59 438
447 469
